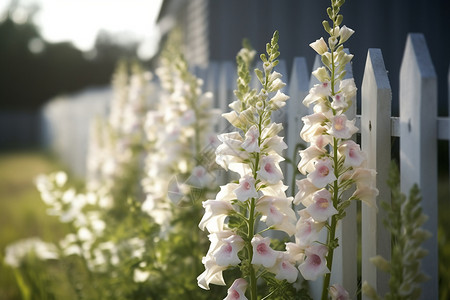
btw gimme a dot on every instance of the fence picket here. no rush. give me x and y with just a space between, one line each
298 89
418 143
376 97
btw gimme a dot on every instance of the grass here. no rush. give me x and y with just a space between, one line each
22 213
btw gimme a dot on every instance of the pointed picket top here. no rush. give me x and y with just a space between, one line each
298 90
418 143
376 98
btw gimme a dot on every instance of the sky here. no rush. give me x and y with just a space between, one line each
79 21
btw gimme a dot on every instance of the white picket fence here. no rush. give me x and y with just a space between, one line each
418 127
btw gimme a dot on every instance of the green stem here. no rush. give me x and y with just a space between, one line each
332 229
251 232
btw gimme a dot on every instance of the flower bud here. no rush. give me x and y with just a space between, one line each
319 46
345 33
321 74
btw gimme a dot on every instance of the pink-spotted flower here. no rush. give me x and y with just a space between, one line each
315 264
237 290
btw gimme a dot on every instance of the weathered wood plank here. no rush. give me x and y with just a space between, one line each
418 143
376 97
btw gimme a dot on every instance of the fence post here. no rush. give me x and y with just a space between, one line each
418 143
376 97
298 89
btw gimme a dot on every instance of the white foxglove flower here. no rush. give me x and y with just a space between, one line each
250 143
277 212
246 188
320 46
309 156
279 100
345 33
342 128
313 126
305 191
237 290
337 292
212 274
227 254
367 195
354 157
322 207
262 253
270 170
315 264
307 229
323 173
364 177
284 269
215 213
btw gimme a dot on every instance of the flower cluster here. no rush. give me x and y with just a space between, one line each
333 162
181 138
254 153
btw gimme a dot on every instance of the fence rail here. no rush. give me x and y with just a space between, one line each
418 128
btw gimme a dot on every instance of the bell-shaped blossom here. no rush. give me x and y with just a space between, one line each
250 143
274 190
321 74
277 212
279 100
367 195
315 264
321 141
262 253
318 92
276 84
295 251
364 177
212 274
237 290
305 190
339 101
345 33
229 154
215 213
354 157
307 229
274 144
284 269
200 177
337 292
227 254
308 158
342 128
323 173
348 88
313 126
246 188
320 46
270 169
322 207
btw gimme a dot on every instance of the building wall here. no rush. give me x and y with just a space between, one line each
215 29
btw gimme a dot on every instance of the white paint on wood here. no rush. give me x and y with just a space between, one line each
418 143
376 98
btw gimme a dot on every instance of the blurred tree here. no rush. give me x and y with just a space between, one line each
33 71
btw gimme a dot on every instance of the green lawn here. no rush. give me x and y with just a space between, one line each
22 213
